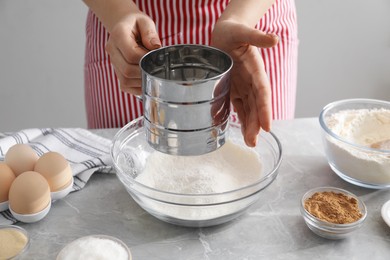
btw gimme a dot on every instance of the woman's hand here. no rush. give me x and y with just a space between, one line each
132 35
130 39
250 88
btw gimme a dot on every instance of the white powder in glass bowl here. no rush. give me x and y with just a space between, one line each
369 128
95 247
228 168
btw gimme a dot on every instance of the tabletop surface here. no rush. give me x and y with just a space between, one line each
272 228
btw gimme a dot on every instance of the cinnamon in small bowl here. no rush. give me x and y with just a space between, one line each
332 213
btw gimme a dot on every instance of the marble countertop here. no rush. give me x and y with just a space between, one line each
272 228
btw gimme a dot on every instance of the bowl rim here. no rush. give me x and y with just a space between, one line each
98 236
350 101
24 232
329 226
189 45
271 174
385 212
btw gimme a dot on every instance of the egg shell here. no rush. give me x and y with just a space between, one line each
29 193
31 218
21 158
6 178
56 195
56 169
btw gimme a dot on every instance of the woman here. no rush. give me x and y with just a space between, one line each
260 36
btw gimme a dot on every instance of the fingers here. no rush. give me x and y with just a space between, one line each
261 88
132 86
251 96
252 128
127 44
239 106
262 94
248 118
130 90
123 40
256 37
149 36
128 70
129 75
134 42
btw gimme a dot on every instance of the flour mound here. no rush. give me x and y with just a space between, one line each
362 126
228 168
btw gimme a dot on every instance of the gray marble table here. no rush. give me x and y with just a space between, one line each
270 229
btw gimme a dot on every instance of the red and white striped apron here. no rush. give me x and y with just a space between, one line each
184 22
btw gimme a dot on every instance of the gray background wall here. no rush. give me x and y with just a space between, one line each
344 53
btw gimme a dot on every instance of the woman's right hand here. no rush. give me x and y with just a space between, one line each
131 37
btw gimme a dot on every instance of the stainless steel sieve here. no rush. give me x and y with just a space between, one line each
186 98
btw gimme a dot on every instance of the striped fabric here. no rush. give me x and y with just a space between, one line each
184 22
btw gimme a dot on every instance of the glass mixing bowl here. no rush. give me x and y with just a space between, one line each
354 162
130 152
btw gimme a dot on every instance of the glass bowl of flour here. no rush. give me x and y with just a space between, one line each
195 191
356 137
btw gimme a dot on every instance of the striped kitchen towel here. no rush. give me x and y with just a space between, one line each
85 151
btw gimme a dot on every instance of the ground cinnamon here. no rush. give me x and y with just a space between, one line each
333 207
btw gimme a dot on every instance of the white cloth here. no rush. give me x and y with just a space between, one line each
85 151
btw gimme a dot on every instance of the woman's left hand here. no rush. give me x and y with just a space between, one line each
250 91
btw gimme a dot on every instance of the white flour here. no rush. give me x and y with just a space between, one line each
228 168
366 128
93 248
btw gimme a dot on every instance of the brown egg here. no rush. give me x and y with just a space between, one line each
29 193
56 169
21 158
6 178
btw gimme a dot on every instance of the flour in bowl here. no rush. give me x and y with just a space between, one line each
363 127
228 168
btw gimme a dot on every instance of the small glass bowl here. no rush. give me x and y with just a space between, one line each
357 164
385 212
331 230
22 249
83 252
